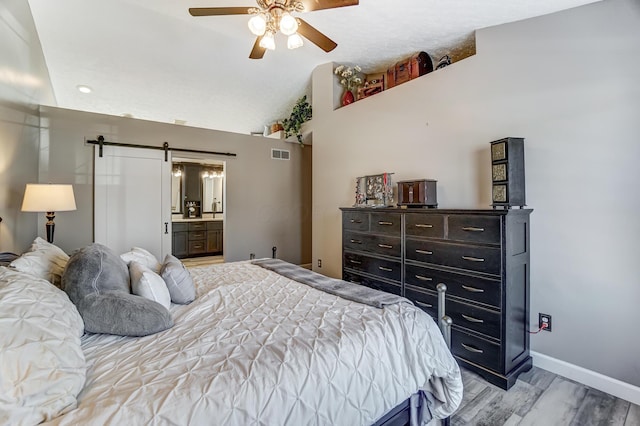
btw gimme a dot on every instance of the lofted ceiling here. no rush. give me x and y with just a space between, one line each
150 59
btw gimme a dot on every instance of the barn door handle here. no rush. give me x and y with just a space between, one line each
166 227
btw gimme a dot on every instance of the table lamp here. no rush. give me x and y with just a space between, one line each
48 198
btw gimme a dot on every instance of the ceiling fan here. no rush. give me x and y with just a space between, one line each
272 16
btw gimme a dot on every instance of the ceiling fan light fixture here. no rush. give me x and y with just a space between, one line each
268 42
294 41
258 24
288 24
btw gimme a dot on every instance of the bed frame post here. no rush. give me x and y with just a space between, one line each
444 322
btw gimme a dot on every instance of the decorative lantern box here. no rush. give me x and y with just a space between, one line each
418 193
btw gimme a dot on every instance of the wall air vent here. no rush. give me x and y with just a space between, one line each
279 154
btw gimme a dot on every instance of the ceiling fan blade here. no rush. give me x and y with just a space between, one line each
258 51
315 36
211 11
310 5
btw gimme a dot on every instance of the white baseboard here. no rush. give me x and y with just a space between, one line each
589 378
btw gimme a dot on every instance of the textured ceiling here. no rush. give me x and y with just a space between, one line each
152 60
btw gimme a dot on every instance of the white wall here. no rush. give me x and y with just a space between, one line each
568 83
24 84
264 201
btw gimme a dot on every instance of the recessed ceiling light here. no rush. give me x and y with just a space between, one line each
84 89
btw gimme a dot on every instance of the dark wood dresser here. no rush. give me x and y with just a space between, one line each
481 255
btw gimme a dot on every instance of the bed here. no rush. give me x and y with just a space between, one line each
253 348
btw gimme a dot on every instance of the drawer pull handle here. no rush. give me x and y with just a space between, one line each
356 221
424 305
421 278
382 268
385 223
356 242
387 246
473 259
355 262
472 349
472 229
472 319
473 289
423 251
356 282
423 225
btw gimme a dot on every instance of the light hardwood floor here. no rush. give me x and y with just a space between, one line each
540 398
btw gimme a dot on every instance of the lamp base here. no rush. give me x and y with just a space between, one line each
50 226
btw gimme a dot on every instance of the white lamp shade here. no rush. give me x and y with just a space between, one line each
294 41
288 24
257 25
267 41
48 198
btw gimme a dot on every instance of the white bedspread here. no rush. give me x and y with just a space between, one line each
256 348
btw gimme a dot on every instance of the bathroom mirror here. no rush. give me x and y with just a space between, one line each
176 189
212 189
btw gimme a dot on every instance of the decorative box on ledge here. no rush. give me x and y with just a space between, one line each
374 191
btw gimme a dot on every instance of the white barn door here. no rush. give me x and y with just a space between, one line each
132 199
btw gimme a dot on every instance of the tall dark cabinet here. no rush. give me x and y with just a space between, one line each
481 255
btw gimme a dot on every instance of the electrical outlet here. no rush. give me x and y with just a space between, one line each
319 263
544 319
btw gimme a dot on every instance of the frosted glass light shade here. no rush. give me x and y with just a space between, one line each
288 24
294 41
267 41
258 25
48 198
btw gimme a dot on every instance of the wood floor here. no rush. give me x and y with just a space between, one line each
540 398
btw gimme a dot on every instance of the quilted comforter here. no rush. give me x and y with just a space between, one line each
256 348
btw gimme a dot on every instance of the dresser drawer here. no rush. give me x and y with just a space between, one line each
373 283
197 226
423 299
386 223
474 318
179 226
197 235
477 229
382 268
473 258
424 225
214 225
356 221
476 289
386 245
475 349
197 247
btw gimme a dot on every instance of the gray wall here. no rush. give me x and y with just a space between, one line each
264 198
568 83
24 84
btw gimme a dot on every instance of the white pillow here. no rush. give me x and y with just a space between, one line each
44 260
143 256
148 284
42 366
178 280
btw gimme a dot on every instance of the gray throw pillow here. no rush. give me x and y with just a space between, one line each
97 282
178 280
